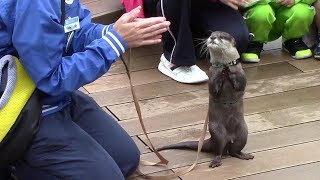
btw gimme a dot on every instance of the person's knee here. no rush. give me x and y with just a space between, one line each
242 39
132 159
302 12
261 14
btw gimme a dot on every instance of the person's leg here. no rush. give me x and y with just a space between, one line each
260 19
178 59
106 131
211 17
178 12
295 23
62 150
150 8
4 174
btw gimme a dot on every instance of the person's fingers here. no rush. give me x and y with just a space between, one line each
233 6
155 27
146 22
146 41
156 32
150 42
282 2
132 15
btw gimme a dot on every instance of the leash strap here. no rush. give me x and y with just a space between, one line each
162 161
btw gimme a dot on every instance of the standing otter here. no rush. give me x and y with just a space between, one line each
227 83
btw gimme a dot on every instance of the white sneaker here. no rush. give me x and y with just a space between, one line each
183 74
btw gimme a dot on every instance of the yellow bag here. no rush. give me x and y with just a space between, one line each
20 110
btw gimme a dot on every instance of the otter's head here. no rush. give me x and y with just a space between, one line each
222 48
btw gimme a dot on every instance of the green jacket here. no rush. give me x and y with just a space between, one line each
253 2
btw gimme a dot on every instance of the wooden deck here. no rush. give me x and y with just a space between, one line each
282 110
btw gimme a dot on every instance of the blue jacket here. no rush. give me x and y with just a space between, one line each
32 30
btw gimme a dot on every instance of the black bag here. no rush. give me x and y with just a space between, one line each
20 110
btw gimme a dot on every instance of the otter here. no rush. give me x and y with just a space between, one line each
227 83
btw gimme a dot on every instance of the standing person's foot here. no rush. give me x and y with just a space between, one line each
297 48
317 52
252 54
184 74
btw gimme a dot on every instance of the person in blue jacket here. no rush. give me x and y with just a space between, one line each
76 139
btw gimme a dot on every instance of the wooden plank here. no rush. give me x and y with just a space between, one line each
306 171
116 68
163 105
282 84
145 51
145 62
99 7
106 83
83 90
124 111
166 121
166 88
108 18
260 141
282 100
270 57
263 162
142 147
270 71
113 97
255 122
306 65
87 1
162 173
176 103
253 89
147 76
252 73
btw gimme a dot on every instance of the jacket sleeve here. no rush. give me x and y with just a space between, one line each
89 31
39 40
131 4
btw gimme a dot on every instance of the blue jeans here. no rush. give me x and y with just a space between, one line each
79 142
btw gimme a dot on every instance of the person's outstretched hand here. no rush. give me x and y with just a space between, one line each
287 3
234 4
140 31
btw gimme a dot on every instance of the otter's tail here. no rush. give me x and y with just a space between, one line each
192 145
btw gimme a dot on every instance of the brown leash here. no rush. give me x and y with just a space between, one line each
163 161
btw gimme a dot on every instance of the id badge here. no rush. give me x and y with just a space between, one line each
71 24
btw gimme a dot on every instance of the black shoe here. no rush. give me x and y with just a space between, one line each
297 48
252 54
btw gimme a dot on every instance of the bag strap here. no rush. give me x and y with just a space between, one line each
63 12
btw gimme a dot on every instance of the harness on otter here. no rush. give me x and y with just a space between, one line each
20 108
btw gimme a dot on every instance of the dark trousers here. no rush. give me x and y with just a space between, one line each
79 142
192 20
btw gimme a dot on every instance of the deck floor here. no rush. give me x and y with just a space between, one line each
282 110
